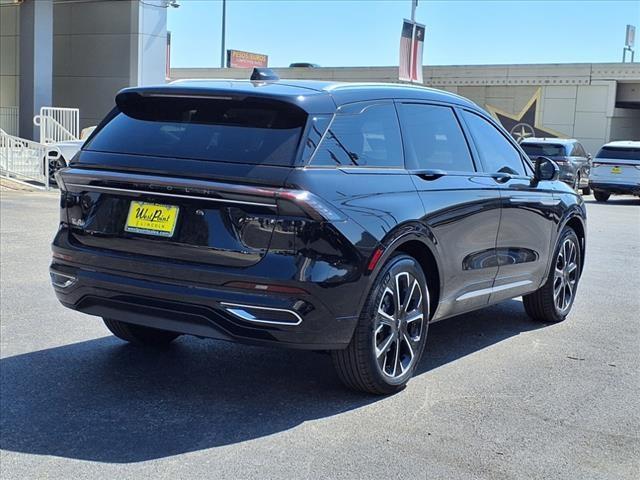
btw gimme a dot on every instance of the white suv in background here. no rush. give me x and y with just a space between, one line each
616 169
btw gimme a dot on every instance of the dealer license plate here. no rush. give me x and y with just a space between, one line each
616 170
151 219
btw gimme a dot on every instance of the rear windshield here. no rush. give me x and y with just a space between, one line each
619 153
543 150
226 130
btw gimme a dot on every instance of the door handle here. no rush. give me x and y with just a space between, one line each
428 174
501 177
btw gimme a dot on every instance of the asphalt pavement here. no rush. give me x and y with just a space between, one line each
497 396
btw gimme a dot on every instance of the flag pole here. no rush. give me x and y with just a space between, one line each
414 5
224 21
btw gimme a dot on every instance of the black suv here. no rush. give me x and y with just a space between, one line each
306 214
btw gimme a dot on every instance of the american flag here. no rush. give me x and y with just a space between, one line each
411 45
406 40
416 54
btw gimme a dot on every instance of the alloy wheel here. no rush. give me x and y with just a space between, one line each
566 276
399 325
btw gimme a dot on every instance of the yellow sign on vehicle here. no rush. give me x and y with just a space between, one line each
616 170
152 219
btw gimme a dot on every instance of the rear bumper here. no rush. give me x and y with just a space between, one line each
620 188
224 314
321 315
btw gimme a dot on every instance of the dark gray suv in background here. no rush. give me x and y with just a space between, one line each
569 154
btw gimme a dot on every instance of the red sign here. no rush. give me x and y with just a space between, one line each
240 59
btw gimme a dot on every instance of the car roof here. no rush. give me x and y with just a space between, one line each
313 96
359 92
555 141
623 144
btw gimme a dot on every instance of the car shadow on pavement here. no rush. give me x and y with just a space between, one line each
102 400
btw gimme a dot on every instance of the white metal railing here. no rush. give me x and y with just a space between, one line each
9 120
58 124
24 159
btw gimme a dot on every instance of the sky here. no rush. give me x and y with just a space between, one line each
367 32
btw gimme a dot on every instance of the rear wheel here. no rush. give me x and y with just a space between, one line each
140 335
391 332
53 165
553 301
601 196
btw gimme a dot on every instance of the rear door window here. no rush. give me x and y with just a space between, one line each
366 136
578 151
433 138
225 130
498 155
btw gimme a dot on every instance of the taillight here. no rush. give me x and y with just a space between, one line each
311 204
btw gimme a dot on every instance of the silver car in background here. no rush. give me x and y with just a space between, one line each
568 153
616 169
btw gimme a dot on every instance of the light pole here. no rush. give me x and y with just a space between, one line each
224 21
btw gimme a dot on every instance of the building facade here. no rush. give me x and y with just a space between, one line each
71 53
79 53
594 103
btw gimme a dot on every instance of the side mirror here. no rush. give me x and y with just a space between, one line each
546 170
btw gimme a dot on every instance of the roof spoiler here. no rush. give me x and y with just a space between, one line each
263 75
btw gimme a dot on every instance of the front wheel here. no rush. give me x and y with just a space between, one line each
391 332
151 337
552 302
601 196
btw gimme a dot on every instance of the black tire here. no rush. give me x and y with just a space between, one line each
542 305
139 335
601 196
53 166
358 366
586 191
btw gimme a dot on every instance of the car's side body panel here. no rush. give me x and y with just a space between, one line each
463 214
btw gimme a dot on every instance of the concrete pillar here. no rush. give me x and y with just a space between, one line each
36 62
101 47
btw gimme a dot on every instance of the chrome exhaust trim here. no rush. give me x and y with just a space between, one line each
244 313
62 280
